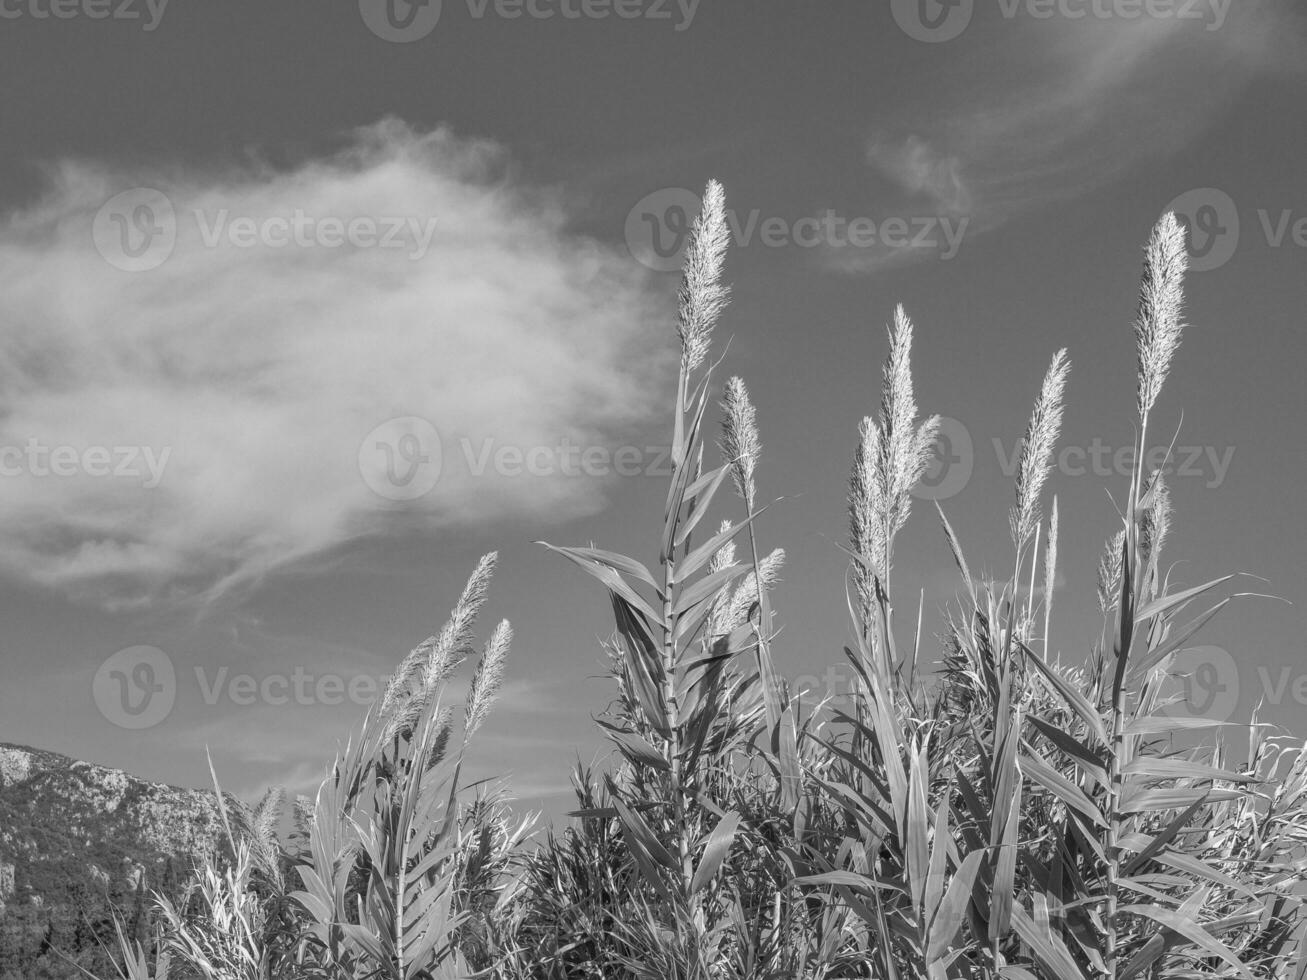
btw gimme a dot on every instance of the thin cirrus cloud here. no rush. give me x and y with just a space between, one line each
258 368
1064 105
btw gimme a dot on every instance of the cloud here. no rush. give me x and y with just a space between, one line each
1040 110
243 373
919 169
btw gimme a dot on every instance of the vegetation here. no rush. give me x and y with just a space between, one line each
997 814
79 845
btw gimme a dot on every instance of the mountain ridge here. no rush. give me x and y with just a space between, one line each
79 839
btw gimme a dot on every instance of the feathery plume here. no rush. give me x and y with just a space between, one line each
892 455
302 813
455 641
1155 521
267 816
1161 303
907 447
919 455
264 839
440 745
702 297
399 685
1050 572
1037 449
898 408
403 715
723 559
433 660
866 503
1109 572
740 445
488 678
746 593
725 556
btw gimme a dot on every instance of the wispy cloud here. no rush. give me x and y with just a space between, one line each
1039 110
918 169
252 370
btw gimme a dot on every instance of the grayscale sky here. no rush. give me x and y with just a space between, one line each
305 306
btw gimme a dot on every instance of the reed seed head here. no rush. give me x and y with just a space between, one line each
1109 572
702 297
1161 305
1037 449
740 444
867 504
1050 555
892 455
430 663
746 593
1155 521
725 556
488 679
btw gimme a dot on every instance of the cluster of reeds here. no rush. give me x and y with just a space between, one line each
995 814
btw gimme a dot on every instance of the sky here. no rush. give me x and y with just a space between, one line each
305 307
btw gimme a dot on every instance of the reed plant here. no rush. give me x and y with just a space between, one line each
995 811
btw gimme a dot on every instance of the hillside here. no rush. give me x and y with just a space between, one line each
75 837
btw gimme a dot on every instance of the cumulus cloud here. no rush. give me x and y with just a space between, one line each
269 331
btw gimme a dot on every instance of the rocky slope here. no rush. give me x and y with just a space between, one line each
76 837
